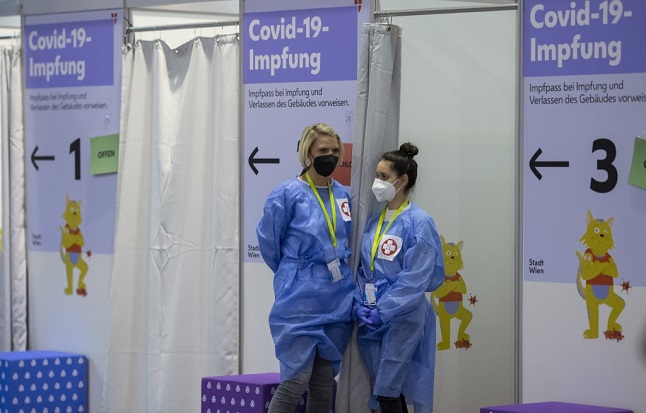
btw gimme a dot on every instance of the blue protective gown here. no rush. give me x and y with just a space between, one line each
400 355
310 312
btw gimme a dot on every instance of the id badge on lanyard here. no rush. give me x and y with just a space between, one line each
331 257
370 295
333 264
335 270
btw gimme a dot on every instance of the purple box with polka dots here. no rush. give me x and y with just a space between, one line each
43 382
246 393
551 407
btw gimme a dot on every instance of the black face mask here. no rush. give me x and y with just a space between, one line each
325 165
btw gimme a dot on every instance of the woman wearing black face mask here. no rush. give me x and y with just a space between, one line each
303 237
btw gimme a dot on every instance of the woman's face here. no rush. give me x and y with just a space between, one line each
385 171
324 145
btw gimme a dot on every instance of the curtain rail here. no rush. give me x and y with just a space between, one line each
180 26
446 10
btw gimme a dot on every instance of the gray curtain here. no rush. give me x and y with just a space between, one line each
13 271
376 131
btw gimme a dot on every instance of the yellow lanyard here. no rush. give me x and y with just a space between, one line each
379 234
331 225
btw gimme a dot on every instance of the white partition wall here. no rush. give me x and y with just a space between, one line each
584 174
78 324
458 105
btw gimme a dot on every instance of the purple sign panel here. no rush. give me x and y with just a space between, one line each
584 37
301 45
64 54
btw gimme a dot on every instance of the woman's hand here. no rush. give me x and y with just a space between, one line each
369 317
374 319
363 314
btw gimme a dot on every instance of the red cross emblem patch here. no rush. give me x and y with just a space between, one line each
344 207
389 247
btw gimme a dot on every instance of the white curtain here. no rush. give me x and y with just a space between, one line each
174 290
376 131
13 271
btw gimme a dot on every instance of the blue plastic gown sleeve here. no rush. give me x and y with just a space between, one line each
271 229
437 277
422 269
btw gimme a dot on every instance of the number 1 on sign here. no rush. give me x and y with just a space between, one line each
76 148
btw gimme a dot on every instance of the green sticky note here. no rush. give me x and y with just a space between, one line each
104 154
637 175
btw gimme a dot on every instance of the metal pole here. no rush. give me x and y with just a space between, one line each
180 26
444 10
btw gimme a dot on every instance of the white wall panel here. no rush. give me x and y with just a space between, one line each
458 105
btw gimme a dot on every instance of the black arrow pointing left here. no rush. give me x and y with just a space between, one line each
35 158
534 164
253 161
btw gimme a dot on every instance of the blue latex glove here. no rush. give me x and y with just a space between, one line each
374 319
363 314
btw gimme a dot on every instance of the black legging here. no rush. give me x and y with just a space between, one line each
393 404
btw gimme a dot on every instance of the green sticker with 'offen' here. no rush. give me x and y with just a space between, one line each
637 175
104 154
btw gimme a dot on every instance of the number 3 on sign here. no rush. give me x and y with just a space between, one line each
605 164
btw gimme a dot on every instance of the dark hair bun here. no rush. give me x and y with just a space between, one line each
409 150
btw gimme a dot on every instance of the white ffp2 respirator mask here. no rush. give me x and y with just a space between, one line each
384 190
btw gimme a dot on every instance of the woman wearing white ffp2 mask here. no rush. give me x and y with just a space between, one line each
384 190
401 259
